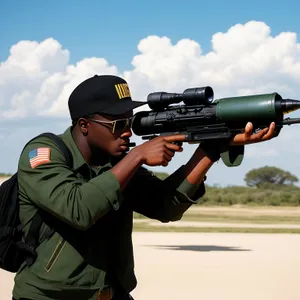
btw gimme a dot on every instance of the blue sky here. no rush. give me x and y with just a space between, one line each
253 57
112 29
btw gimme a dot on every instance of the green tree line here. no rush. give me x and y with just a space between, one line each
267 186
5 175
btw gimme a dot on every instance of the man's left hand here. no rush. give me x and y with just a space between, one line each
251 138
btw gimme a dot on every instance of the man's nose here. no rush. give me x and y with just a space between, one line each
127 132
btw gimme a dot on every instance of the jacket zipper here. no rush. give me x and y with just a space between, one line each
55 254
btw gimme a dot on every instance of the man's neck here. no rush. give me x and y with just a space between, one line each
94 157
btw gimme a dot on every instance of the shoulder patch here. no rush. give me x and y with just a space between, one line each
39 156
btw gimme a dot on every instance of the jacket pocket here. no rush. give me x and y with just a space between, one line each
58 249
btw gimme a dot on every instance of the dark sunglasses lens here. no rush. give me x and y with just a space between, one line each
120 125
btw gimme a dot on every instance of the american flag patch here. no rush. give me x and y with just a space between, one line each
39 156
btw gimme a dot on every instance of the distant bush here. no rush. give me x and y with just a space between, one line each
267 194
269 175
273 195
161 175
5 175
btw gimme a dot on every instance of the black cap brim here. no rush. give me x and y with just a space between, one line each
122 107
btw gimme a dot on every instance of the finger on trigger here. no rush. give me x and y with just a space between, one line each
175 138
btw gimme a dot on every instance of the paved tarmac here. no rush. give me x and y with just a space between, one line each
211 266
199 224
215 266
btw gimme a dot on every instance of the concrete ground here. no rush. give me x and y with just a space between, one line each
211 266
217 266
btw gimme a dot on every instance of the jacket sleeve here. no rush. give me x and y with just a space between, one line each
54 187
164 200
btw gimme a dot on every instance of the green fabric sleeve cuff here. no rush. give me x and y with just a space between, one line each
191 193
194 192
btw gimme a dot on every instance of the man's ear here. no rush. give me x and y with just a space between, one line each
83 125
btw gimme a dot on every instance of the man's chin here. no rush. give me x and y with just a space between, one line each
119 153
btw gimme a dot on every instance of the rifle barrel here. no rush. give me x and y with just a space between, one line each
289 121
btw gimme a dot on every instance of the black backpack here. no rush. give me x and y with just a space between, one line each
14 248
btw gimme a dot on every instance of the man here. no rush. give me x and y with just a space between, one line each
91 204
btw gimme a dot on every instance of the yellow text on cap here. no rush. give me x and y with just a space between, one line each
122 90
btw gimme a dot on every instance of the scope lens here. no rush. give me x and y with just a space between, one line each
202 95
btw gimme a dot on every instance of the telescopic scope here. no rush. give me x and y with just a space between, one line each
193 96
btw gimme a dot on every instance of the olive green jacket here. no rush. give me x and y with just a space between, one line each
92 245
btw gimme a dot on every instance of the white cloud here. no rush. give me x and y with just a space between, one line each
37 77
245 59
266 152
62 84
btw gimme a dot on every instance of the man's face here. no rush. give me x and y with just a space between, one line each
110 134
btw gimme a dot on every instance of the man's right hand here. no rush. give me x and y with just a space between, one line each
160 150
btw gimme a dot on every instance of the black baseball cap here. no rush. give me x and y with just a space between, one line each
107 94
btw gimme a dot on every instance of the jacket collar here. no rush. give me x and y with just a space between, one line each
78 160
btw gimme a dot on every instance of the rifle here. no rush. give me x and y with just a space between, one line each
202 118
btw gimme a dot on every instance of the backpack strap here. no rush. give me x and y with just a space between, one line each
62 146
32 237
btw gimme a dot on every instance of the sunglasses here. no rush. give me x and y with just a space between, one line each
118 126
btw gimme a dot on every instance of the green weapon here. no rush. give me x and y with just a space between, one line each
200 118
